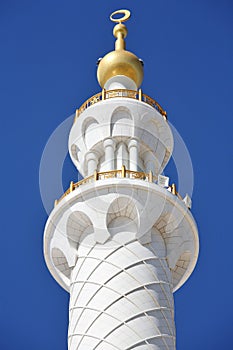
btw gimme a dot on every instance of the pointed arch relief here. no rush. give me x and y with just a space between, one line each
60 262
181 268
75 152
89 131
78 226
121 122
122 216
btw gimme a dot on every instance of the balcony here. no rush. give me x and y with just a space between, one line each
122 173
123 93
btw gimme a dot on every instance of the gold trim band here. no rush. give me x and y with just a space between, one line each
122 173
124 93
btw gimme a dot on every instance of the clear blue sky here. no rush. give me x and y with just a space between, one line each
47 62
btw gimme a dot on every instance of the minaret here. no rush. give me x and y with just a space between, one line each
121 240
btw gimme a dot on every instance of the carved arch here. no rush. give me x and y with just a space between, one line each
122 215
118 116
89 125
78 224
60 262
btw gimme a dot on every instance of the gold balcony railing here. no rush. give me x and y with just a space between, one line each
122 173
107 94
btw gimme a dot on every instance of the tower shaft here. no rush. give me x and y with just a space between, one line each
121 297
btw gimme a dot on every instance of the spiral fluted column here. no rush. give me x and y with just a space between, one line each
121 298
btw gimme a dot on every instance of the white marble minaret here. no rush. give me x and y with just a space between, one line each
119 241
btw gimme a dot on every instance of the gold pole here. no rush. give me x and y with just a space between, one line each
173 189
150 176
120 32
71 186
95 175
140 94
55 202
76 115
103 94
123 171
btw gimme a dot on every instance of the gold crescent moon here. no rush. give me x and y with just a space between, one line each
126 16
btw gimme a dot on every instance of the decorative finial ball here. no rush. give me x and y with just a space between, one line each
120 61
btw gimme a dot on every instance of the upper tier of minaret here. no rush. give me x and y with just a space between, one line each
120 125
120 68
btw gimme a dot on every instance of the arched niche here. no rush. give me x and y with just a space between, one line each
60 262
122 215
78 224
89 134
121 122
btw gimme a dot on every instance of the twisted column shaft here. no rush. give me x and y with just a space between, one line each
121 298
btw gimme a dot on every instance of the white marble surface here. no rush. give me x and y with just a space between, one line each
92 208
122 120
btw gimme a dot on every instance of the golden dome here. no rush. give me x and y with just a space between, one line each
120 61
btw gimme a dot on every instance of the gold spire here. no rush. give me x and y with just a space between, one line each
120 31
120 61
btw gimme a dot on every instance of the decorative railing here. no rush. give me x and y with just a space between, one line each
122 173
107 94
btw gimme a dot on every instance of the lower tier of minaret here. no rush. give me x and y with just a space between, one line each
121 298
121 247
